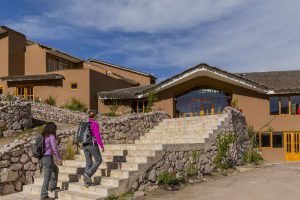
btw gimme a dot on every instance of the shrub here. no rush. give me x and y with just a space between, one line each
8 97
50 101
76 105
252 155
115 107
37 99
234 102
192 169
109 114
223 145
168 179
69 151
152 98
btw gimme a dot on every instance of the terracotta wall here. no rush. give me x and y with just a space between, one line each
4 55
100 82
17 47
103 106
35 60
255 106
142 79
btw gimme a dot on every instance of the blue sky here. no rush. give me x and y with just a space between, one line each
164 37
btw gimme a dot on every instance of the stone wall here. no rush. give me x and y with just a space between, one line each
197 159
128 128
14 116
52 113
18 166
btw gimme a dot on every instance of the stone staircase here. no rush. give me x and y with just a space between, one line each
124 163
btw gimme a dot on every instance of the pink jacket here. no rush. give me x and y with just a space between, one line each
96 132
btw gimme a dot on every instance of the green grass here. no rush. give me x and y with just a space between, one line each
21 135
76 105
168 179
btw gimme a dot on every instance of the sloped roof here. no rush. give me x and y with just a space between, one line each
126 93
120 67
279 81
32 77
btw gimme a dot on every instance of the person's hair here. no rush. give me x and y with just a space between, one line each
92 113
49 129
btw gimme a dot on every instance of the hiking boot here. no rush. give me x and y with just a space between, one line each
54 189
87 179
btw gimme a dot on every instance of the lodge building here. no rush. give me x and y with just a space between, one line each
269 100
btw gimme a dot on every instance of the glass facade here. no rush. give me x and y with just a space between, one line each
285 105
200 101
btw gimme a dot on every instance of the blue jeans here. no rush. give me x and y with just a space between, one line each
89 152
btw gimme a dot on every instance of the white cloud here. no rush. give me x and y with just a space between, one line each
236 35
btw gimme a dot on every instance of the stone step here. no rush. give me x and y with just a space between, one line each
121 173
194 124
21 196
170 141
74 195
137 159
196 121
71 170
133 147
131 166
170 135
82 164
206 117
101 190
36 189
113 181
181 131
148 153
115 152
63 184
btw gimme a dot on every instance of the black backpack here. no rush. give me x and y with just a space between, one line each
84 133
38 147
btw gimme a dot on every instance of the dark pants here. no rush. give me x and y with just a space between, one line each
50 171
89 152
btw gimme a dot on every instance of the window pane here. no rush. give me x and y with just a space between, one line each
140 107
277 140
134 106
265 140
274 105
284 105
74 86
295 100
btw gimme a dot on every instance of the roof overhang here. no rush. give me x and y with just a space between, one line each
204 70
43 77
64 56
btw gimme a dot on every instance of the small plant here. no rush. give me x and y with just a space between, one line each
76 105
109 114
152 98
37 100
69 151
252 155
115 106
223 145
111 198
50 101
234 102
168 179
8 97
192 169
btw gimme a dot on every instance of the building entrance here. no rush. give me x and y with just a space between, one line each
201 101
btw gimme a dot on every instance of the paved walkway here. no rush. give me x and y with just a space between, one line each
279 182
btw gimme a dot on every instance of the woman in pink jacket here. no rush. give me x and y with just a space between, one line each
92 150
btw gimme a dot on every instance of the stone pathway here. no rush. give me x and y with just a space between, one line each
275 182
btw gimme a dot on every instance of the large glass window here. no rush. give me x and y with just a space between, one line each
274 105
295 105
277 139
55 64
285 105
200 101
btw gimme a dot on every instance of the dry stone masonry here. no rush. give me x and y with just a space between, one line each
14 116
197 159
18 166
